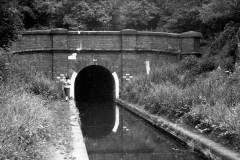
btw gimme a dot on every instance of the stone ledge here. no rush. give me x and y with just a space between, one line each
62 31
191 34
197 142
138 51
94 33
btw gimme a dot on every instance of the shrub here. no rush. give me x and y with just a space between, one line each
227 63
188 63
194 67
217 118
207 65
40 85
228 34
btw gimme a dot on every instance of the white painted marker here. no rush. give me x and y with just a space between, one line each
73 77
116 125
148 69
73 56
116 79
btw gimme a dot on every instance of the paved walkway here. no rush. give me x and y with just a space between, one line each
79 149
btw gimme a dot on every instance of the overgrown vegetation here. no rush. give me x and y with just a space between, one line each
194 92
27 123
218 20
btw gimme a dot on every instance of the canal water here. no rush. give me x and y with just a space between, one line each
131 139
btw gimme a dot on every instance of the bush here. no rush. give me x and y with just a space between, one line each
192 67
40 85
218 118
207 65
230 30
188 63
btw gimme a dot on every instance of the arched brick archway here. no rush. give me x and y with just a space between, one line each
94 83
125 51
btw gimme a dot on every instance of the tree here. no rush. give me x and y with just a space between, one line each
41 13
186 20
89 15
140 15
182 15
218 13
10 23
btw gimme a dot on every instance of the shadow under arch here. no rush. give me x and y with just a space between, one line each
94 92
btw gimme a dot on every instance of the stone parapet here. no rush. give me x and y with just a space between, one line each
125 40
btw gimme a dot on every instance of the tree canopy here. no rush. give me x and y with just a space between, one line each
10 22
207 16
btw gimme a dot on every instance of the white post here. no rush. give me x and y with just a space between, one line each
148 69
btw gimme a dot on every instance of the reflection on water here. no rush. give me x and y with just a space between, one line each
135 139
97 121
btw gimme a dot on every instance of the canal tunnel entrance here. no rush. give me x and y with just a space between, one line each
94 92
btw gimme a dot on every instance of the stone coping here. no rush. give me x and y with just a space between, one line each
198 142
82 51
61 31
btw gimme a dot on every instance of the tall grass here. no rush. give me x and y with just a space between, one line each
26 122
27 78
23 123
40 85
210 98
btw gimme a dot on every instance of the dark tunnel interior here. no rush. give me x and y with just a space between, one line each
94 97
94 83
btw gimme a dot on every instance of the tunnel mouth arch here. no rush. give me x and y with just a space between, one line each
94 92
94 83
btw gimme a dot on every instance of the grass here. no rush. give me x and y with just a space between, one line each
191 93
31 117
24 122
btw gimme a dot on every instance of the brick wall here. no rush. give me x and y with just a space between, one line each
186 43
123 51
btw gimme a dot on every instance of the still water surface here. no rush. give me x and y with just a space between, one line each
135 139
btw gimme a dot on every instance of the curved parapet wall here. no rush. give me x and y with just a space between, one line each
127 52
62 40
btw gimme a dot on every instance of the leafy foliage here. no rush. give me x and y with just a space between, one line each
10 23
140 15
94 16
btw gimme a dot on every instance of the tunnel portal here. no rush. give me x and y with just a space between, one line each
94 96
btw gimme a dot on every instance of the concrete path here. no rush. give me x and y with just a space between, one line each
79 149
